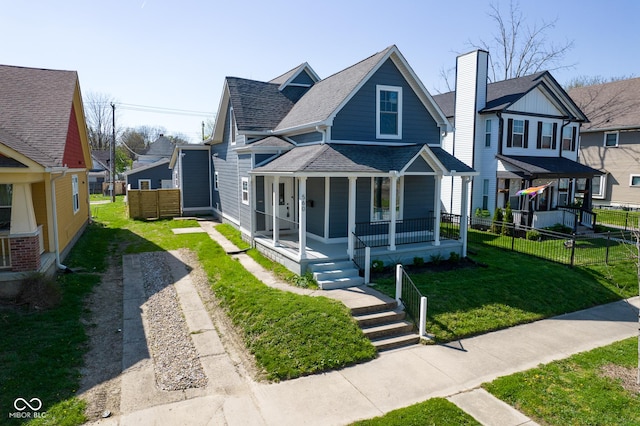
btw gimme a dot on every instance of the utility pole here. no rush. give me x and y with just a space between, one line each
113 153
203 130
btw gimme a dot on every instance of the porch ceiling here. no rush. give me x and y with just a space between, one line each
547 167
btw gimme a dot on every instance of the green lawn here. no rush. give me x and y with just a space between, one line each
433 412
628 219
512 289
577 390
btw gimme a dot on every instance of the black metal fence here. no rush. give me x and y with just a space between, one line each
585 249
625 219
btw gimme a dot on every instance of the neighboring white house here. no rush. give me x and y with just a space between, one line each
519 134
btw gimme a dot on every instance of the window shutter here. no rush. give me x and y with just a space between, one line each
509 132
573 139
539 140
554 138
526 134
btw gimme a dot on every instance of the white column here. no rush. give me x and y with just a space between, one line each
436 210
302 209
23 218
464 214
252 206
393 194
327 200
275 198
352 216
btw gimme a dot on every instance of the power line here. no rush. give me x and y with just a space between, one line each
155 109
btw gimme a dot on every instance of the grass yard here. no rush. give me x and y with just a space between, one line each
622 218
513 289
433 412
581 390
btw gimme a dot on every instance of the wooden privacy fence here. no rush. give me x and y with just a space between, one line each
153 203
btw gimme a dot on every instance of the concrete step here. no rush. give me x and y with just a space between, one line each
394 342
340 283
387 330
335 273
380 306
329 266
378 318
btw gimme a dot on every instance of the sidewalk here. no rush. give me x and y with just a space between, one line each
395 379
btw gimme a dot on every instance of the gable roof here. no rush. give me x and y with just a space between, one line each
610 106
35 111
164 162
257 106
283 80
503 94
356 158
161 147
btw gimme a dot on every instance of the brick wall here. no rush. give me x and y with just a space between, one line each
25 254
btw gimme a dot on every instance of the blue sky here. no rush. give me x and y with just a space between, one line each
175 55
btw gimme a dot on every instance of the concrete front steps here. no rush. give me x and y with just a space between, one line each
332 275
385 325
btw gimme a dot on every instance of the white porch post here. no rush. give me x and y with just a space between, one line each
392 209
327 200
252 206
302 208
23 218
464 214
275 208
352 215
437 210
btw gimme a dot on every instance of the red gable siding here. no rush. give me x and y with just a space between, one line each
73 156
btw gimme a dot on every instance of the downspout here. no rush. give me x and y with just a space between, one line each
500 131
59 265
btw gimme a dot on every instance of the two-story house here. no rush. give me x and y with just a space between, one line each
610 142
522 136
319 171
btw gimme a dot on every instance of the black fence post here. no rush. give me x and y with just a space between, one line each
573 248
606 258
513 234
626 219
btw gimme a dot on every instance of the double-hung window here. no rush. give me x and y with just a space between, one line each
567 139
598 186
546 136
245 190
75 193
6 195
517 134
487 133
388 112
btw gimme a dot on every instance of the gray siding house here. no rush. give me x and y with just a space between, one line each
334 173
610 142
149 176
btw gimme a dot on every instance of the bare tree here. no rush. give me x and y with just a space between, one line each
516 48
98 113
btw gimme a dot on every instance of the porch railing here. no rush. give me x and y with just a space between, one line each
415 304
5 252
362 257
584 217
408 231
264 225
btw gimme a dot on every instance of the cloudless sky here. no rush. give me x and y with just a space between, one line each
175 54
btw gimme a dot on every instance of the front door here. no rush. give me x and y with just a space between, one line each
286 204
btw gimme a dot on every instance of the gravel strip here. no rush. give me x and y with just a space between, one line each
175 360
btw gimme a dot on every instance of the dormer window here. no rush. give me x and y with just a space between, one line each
389 112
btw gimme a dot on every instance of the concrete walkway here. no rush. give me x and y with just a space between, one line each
395 379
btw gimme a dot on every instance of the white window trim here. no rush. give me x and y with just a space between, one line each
548 126
513 133
143 180
242 190
603 188
398 89
216 182
400 197
604 142
568 129
75 194
631 181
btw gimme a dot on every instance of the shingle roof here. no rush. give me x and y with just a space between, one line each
257 106
287 75
161 147
609 106
351 158
272 141
549 166
500 94
35 108
326 95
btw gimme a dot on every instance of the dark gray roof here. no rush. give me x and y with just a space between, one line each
272 141
500 94
35 109
161 147
551 167
257 106
351 158
326 95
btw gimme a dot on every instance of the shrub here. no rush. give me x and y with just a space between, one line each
507 225
418 261
497 217
436 259
533 235
454 257
558 227
482 213
377 266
